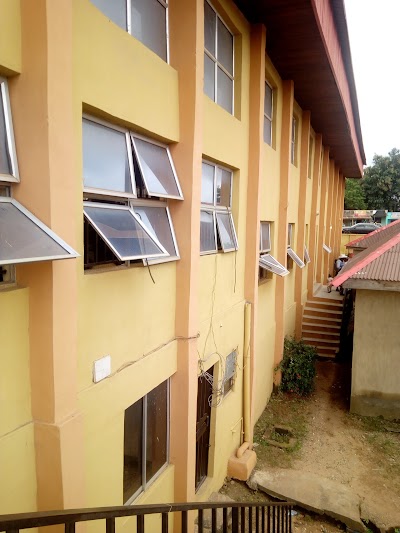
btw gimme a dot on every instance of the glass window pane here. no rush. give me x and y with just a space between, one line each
269 263
224 91
120 230
265 237
133 435
226 232
105 158
115 11
207 184
149 25
224 184
5 160
209 77
157 429
22 240
210 19
157 172
267 131
207 232
225 47
157 223
268 101
291 253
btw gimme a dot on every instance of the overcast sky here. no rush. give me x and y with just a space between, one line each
374 30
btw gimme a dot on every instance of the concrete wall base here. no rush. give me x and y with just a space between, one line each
241 468
368 406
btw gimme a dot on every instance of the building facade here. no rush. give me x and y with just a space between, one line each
172 181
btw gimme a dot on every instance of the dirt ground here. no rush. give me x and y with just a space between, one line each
362 453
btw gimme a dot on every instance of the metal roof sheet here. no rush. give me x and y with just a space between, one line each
379 235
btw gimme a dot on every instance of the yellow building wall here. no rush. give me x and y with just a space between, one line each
375 388
17 453
10 37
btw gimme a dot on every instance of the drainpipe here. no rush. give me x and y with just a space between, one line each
246 377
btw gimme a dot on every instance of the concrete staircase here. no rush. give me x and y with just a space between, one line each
322 318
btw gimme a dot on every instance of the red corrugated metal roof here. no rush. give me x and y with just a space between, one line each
380 261
371 238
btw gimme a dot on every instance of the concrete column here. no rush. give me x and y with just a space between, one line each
186 25
314 216
256 140
281 251
49 185
301 225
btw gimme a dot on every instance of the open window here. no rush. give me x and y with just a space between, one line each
268 113
291 253
267 263
217 228
25 239
134 176
307 258
327 248
123 232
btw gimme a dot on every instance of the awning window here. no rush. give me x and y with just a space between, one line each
307 258
226 232
292 254
123 231
272 265
25 239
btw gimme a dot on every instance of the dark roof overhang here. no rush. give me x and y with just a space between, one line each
307 41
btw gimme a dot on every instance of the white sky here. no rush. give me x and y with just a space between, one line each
374 31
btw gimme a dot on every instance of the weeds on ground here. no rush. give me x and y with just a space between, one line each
282 409
383 436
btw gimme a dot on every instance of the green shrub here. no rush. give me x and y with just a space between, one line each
297 367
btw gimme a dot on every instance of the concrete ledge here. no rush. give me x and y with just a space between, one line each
241 468
369 406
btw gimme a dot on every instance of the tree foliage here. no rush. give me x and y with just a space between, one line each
381 182
354 197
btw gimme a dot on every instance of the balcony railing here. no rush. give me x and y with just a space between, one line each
245 517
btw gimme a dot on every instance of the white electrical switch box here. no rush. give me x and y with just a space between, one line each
101 368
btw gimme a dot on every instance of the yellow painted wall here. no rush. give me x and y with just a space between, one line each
10 37
376 362
17 455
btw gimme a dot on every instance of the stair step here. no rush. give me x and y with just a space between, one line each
324 306
324 335
328 322
323 311
321 342
312 326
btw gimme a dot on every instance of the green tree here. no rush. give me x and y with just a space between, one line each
381 182
354 195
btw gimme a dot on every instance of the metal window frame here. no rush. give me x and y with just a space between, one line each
134 136
216 62
292 254
235 247
269 117
293 141
222 167
268 225
290 234
117 207
162 205
10 139
145 484
268 262
70 252
212 211
307 258
111 192
327 248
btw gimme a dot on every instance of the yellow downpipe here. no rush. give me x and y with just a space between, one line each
247 375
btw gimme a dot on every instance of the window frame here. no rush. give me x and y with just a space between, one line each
216 62
134 136
327 248
293 141
14 177
163 205
290 252
276 267
70 252
145 484
265 250
117 207
216 209
108 192
269 118
307 258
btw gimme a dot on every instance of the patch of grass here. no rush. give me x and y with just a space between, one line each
282 409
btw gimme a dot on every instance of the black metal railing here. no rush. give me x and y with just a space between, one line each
243 518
